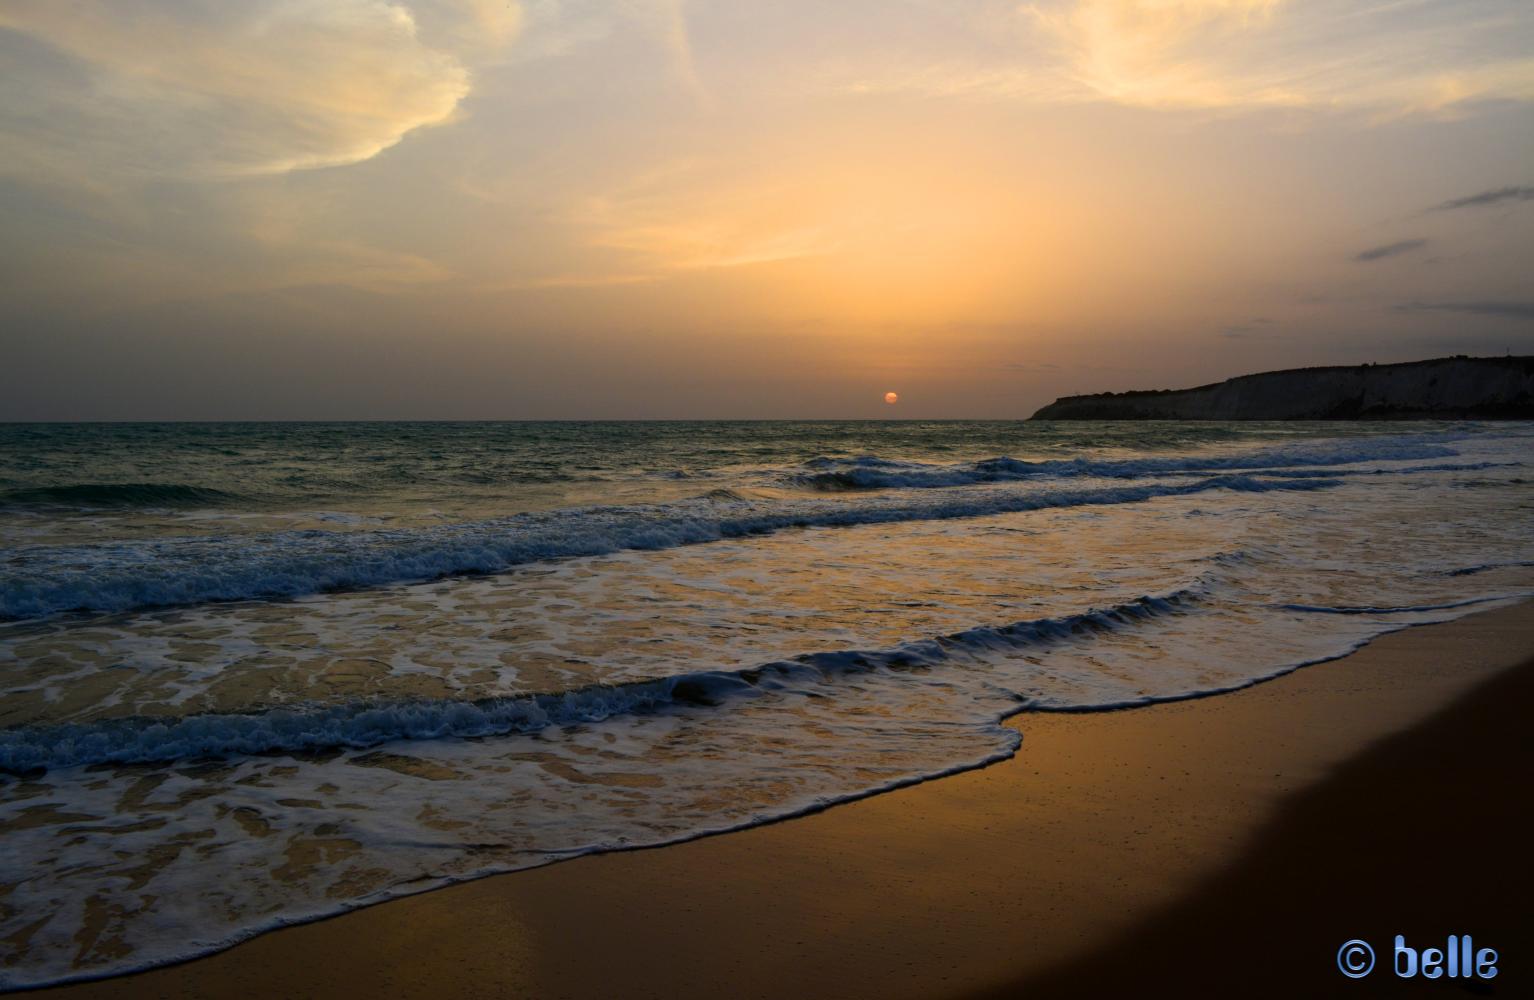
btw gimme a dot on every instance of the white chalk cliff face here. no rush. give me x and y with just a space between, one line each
1486 388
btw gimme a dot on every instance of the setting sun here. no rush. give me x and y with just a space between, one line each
891 398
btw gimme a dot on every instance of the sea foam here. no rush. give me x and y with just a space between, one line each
122 576
871 472
26 750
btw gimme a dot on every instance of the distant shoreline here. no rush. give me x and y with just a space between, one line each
1457 388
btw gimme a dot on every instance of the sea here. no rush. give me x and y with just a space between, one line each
254 674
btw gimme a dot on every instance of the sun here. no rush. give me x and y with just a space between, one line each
891 398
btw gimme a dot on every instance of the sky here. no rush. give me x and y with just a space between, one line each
571 209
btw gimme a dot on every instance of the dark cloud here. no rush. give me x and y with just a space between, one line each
1488 198
1389 250
1503 310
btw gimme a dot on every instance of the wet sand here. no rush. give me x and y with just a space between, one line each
1225 845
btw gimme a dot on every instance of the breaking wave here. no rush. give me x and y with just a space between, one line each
870 472
123 576
142 740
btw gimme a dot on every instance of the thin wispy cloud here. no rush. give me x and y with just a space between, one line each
1499 309
1497 196
1389 250
1387 60
672 15
702 244
1140 52
673 219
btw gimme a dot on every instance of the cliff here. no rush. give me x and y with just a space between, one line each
1444 388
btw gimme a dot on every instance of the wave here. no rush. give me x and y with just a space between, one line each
1488 567
870 472
123 576
107 496
139 740
1406 470
1403 609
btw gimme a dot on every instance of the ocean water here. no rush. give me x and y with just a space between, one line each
253 674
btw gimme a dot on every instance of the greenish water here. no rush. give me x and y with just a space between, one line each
417 653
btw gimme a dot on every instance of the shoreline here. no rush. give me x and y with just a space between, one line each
954 886
1338 864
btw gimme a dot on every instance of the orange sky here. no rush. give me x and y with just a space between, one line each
472 208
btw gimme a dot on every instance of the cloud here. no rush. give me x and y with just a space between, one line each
1138 51
677 39
1389 250
683 217
1257 327
1382 59
1493 197
706 243
205 88
1255 53
1499 309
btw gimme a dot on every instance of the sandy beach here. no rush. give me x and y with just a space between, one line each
1238 838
